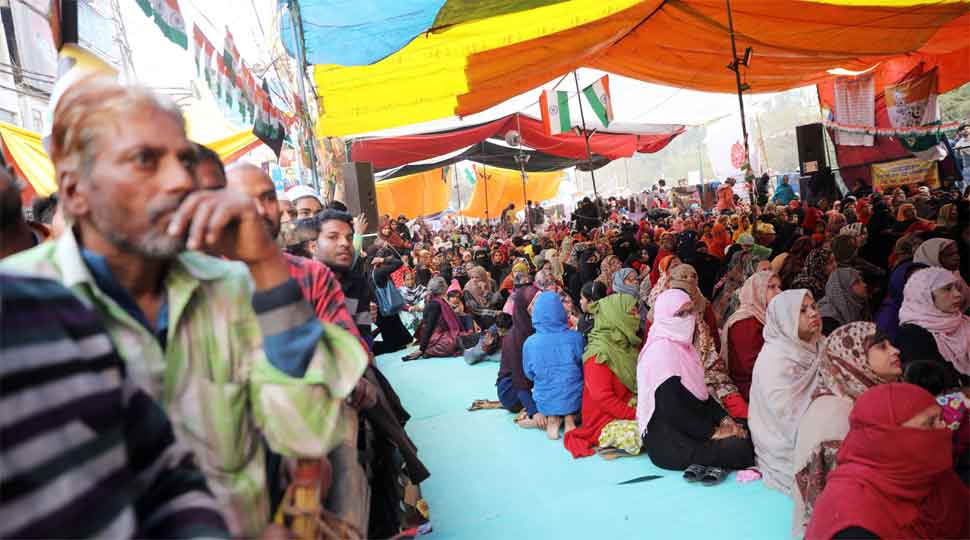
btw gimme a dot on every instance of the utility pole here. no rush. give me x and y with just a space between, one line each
735 66
301 63
121 38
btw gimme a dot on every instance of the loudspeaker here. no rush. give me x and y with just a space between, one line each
811 148
360 192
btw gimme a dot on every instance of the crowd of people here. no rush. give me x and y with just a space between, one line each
184 347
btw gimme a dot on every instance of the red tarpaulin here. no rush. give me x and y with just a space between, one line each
397 151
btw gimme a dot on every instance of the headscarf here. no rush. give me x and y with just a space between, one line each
544 280
844 249
905 248
795 261
782 385
928 252
843 368
606 269
900 212
813 276
950 330
669 352
663 280
684 277
948 216
620 287
895 481
613 339
840 303
512 344
555 263
753 298
887 319
720 241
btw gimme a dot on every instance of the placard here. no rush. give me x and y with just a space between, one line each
905 172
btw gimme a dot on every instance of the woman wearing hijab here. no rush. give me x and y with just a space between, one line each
895 475
819 264
783 383
742 335
682 426
853 359
609 380
391 237
626 281
479 296
932 324
795 261
743 265
845 300
905 217
941 252
845 249
439 325
609 266
514 389
904 248
887 318
719 242
668 246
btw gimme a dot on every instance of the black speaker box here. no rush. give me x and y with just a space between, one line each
811 148
360 194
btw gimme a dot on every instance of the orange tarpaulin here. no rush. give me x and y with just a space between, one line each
415 195
505 186
684 43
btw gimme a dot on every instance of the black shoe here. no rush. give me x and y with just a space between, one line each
694 473
714 476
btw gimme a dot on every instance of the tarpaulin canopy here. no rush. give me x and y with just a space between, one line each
504 186
25 149
416 195
495 155
474 65
397 151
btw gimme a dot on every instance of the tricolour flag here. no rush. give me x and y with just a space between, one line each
168 17
913 103
598 95
555 112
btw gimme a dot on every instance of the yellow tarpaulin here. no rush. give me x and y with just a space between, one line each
415 195
27 152
471 66
505 186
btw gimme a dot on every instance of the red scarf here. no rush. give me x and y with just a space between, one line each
895 481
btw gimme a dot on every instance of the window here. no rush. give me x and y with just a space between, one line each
9 117
38 118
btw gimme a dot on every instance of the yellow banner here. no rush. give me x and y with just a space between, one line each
903 172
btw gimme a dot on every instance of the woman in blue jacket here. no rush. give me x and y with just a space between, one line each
552 359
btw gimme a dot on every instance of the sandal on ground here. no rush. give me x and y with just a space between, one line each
714 476
413 356
609 454
695 472
480 404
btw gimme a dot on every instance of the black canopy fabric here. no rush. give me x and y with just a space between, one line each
496 155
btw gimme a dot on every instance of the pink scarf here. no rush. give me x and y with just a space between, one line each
669 352
753 303
950 330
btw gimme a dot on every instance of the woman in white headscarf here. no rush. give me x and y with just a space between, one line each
943 253
782 384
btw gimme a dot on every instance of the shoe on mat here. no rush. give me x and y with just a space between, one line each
714 476
694 473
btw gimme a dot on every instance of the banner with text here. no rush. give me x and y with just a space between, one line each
905 172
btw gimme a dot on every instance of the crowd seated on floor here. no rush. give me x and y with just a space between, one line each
216 342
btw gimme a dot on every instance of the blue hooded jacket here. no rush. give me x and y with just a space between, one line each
553 358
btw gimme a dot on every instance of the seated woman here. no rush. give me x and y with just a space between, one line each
932 324
480 297
610 380
394 335
591 292
413 295
552 359
514 389
887 318
894 477
440 327
742 335
845 300
706 342
819 264
682 426
854 358
626 281
783 383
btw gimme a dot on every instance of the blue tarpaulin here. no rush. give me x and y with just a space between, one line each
357 32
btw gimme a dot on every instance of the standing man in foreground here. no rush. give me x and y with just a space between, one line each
232 351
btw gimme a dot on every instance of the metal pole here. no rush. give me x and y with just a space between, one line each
522 158
589 154
458 189
737 79
485 179
301 61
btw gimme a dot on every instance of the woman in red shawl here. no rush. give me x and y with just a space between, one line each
718 242
391 237
895 475
668 246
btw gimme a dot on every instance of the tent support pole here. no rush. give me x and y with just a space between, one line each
297 22
586 135
735 66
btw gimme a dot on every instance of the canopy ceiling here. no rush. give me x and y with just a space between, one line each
504 186
474 64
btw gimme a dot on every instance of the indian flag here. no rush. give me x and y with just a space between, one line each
913 103
168 17
555 112
598 95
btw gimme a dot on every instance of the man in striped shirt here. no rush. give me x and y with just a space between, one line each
231 349
86 452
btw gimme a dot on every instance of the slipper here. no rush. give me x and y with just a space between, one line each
609 454
695 473
480 404
714 476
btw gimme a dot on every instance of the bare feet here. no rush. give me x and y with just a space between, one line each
552 427
524 422
570 423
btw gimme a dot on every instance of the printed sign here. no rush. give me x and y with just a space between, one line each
904 172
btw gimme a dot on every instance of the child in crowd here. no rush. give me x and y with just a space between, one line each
413 294
457 303
552 359
489 346
955 402
572 318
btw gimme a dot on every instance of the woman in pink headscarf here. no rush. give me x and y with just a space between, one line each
932 324
683 427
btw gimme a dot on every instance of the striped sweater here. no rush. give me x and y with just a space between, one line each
83 451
